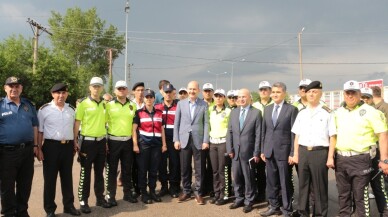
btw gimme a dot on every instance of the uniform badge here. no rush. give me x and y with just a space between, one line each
131 107
382 116
223 114
362 112
25 107
14 79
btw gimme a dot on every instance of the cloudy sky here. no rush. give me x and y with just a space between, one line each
182 40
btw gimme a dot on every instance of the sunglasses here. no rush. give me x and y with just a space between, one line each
230 97
121 88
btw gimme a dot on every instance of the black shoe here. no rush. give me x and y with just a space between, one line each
51 214
247 208
174 191
155 197
213 200
103 203
112 202
130 199
72 211
235 206
270 212
146 198
220 202
85 209
163 191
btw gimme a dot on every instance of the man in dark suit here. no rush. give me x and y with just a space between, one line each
242 144
191 136
277 150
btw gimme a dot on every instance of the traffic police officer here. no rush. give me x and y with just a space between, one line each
302 102
183 93
90 114
119 115
312 128
265 96
168 106
56 120
18 139
367 95
149 143
357 125
231 99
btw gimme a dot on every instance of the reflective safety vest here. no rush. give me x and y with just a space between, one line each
168 117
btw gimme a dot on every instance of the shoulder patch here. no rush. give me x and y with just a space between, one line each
327 109
43 106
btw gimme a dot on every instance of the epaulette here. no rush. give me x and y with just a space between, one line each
44 106
326 109
71 106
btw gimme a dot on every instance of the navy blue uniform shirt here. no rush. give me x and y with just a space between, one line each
17 122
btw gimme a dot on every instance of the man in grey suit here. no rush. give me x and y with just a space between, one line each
243 146
277 150
191 136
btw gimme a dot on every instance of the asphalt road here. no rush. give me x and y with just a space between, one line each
168 207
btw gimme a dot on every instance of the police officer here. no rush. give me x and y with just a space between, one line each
302 102
18 143
367 95
90 115
171 157
219 117
183 93
119 114
149 143
357 125
312 128
265 96
231 99
56 120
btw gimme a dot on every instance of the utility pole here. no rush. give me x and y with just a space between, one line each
300 54
126 9
37 32
110 56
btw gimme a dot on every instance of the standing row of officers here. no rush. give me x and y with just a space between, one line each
156 136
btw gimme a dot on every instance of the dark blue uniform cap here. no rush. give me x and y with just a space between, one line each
59 87
149 92
12 80
138 84
314 85
168 87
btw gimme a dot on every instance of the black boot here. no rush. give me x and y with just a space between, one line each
154 196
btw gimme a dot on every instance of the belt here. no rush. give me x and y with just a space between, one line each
314 148
119 138
351 153
59 141
88 138
218 140
13 147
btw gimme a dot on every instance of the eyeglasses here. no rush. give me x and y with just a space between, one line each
182 93
264 89
230 97
121 88
208 91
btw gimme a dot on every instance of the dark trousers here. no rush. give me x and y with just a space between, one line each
58 158
189 152
312 169
279 174
353 176
260 179
119 151
16 167
148 160
95 154
217 159
244 182
378 187
170 158
208 179
228 177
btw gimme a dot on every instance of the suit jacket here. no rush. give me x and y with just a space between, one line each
278 140
198 127
244 143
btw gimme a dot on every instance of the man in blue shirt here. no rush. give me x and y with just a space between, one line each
18 139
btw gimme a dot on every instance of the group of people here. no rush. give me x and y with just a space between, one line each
237 146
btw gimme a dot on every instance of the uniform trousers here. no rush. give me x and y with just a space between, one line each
119 151
187 153
353 175
217 159
93 153
378 187
148 161
170 158
312 169
58 158
16 167
228 177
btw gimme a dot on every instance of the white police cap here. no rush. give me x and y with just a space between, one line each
351 85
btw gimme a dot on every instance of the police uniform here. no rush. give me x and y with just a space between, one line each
313 127
356 138
218 121
91 114
18 131
171 155
149 140
119 119
56 128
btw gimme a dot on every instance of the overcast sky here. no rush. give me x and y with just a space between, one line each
181 40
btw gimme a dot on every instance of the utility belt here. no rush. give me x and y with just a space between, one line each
13 147
119 138
89 138
371 152
314 148
59 141
217 140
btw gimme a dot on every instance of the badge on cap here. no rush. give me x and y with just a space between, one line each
13 79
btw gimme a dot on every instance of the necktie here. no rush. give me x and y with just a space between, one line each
275 115
242 118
